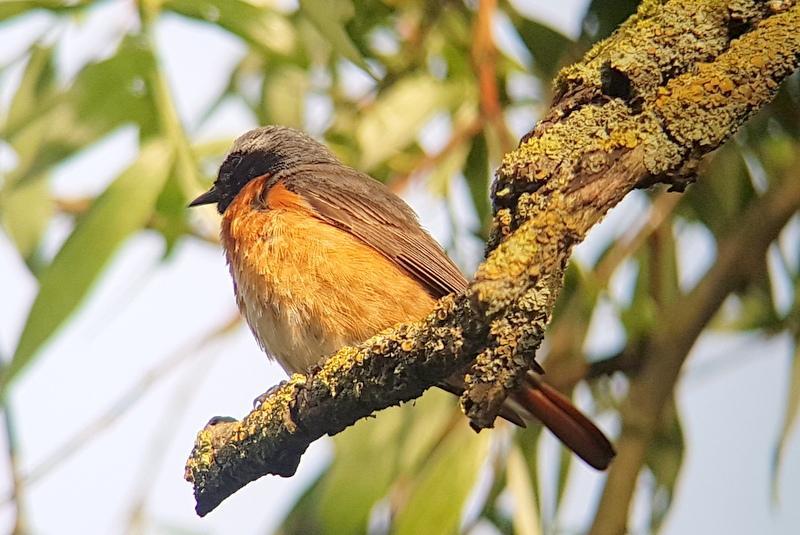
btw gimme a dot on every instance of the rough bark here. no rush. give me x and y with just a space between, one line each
672 84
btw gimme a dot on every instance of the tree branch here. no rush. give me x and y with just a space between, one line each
740 254
643 107
484 59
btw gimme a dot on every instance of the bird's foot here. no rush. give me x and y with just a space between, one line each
216 420
263 397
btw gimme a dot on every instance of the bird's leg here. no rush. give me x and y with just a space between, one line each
263 397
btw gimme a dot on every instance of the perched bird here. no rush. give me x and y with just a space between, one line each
324 256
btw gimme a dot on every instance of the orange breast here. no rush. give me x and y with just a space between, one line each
305 287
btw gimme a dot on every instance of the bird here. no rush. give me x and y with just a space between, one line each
323 256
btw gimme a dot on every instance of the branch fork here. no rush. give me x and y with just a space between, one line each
672 84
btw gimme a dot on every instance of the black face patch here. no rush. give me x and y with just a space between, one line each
240 168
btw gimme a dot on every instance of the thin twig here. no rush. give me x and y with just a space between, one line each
161 438
19 526
484 59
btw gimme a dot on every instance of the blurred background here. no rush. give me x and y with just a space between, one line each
119 335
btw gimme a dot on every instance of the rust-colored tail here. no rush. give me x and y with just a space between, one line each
557 412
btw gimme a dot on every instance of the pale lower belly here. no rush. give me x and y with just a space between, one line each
286 334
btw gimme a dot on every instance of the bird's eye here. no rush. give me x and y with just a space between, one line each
235 160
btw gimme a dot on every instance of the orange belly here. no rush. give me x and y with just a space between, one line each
307 288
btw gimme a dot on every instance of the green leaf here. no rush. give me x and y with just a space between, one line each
546 45
564 464
170 212
527 440
265 29
284 96
12 8
26 211
394 120
303 517
666 288
31 100
329 18
393 446
440 491
448 167
36 86
756 310
476 171
523 489
116 214
345 501
640 316
723 192
604 16
423 430
187 172
783 109
118 90
664 459
104 96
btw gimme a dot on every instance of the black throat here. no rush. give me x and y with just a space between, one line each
239 169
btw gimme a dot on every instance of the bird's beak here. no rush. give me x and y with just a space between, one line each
211 196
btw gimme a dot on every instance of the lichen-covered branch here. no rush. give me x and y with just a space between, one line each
611 129
644 105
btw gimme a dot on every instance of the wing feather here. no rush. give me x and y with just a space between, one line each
355 202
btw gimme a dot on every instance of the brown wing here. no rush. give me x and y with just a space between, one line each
353 201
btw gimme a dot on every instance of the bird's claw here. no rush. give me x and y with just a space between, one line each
263 397
216 420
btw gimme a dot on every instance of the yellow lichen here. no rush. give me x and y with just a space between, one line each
667 87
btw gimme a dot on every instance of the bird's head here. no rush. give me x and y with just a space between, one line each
268 150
